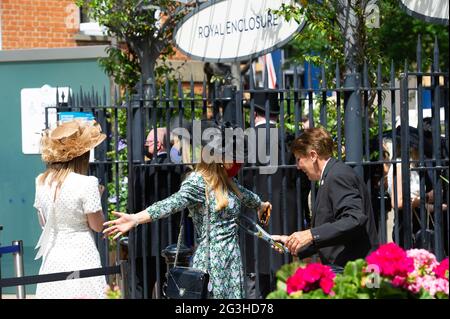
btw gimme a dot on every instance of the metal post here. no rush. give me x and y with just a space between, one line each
124 273
405 156
123 258
18 268
101 172
437 154
133 126
229 103
352 121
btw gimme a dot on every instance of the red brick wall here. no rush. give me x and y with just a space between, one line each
38 23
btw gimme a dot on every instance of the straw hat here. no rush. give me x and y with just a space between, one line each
70 140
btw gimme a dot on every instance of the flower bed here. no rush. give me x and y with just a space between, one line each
388 272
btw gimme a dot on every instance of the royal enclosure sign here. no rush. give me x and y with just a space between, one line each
434 11
234 30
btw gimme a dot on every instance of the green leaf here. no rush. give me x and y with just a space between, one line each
425 294
441 295
315 294
287 271
278 294
281 285
388 291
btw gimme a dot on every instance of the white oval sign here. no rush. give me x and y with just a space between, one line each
234 30
434 11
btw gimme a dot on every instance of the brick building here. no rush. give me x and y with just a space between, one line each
38 24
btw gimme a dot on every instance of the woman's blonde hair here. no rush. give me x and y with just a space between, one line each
217 179
57 172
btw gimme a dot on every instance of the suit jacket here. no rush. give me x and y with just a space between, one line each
343 225
284 204
159 182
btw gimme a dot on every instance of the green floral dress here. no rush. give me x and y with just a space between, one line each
225 265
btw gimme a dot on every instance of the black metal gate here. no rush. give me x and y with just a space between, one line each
419 153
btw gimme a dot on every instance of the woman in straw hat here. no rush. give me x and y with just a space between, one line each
69 208
214 198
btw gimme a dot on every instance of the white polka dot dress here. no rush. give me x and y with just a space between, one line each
67 243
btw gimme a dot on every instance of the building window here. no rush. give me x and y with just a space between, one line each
89 26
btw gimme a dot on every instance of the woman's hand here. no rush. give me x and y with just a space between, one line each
121 225
281 239
264 213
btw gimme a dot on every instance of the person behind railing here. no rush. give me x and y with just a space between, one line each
180 142
428 152
156 177
255 180
210 187
414 191
343 225
69 209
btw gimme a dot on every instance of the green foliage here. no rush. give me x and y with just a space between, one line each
282 275
323 37
349 284
123 67
353 283
278 294
315 294
395 24
144 33
388 291
322 42
357 281
320 39
113 292
118 189
287 271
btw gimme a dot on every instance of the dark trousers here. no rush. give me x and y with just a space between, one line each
152 293
265 286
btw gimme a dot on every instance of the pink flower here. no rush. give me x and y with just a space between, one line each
429 283
399 281
441 270
312 277
392 261
424 261
428 274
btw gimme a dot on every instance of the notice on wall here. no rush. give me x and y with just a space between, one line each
37 104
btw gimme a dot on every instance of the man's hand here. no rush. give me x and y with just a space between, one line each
298 240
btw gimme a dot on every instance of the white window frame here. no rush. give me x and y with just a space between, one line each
92 28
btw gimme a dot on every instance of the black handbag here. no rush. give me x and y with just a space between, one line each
189 282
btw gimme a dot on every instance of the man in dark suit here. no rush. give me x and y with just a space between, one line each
343 225
276 186
160 181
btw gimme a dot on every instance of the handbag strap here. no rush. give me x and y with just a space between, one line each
207 230
207 226
180 234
